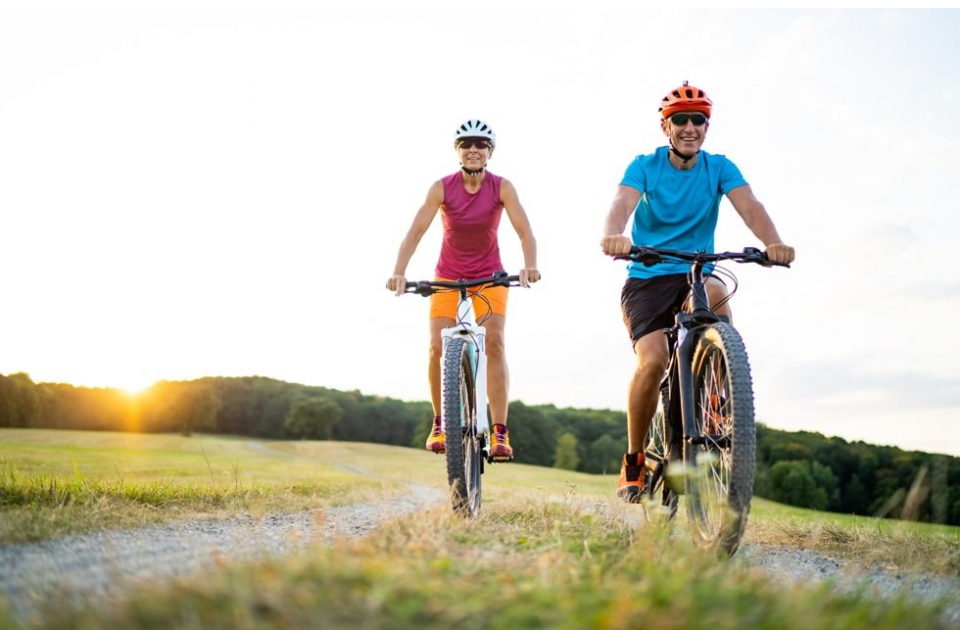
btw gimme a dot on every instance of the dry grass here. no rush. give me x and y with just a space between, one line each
530 563
58 483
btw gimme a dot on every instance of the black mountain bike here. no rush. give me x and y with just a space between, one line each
706 423
464 388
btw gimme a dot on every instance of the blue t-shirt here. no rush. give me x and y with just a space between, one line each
677 209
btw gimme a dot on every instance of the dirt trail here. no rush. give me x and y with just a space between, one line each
105 564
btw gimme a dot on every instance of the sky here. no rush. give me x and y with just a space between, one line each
217 191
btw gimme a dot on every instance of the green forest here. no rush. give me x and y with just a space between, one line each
797 468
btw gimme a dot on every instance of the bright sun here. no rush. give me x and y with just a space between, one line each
134 387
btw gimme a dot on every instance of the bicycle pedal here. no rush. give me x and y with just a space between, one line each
499 459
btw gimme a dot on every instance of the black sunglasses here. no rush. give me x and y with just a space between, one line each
477 142
680 119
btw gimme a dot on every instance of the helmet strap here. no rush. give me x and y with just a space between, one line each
685 158
472 173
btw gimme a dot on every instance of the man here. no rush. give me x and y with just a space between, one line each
471 202
674 196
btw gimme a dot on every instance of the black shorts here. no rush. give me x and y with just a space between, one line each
650 304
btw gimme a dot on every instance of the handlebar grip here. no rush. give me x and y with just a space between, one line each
765 258
422 288
646 256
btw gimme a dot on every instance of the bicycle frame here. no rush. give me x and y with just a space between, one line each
475 338
690 322
687 325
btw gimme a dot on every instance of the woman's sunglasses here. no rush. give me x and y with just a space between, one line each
680 119
473 142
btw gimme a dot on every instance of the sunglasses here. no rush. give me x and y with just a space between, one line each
473 142
681 119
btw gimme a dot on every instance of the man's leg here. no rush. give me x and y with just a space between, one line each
651 352
652 356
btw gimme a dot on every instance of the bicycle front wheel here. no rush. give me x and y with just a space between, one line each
720 460
464 447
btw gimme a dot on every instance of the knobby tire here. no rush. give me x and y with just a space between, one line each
464 450
720 463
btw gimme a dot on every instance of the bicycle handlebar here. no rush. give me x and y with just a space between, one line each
648 256
427 288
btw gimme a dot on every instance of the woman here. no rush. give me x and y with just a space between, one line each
470 202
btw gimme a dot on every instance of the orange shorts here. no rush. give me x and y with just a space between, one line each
485 299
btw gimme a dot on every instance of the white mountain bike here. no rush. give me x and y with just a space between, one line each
464 388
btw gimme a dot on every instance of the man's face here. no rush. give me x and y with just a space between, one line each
686 131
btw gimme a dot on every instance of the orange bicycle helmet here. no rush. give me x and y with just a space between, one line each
685 98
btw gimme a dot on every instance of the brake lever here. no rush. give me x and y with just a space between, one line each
423 288
761 257
644 256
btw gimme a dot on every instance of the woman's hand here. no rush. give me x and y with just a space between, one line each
529 276
398 284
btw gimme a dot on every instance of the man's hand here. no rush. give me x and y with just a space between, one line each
781 253
615 245
397 283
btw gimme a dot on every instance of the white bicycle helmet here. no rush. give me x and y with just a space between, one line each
475 128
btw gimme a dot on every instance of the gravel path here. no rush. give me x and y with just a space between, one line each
790 565
105 564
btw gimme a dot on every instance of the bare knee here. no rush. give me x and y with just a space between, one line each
649 370
436 348
494 347
652 358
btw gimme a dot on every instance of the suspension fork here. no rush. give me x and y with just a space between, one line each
689 326
684 362
475 342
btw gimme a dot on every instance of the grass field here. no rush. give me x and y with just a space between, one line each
544 553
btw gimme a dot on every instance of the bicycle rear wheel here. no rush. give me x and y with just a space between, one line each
464 447
720 461
662 449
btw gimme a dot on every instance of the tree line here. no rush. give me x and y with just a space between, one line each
797 468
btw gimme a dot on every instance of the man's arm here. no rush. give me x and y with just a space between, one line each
758 221
624 203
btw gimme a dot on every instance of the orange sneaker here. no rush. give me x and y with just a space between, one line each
500 451
632 479
437 441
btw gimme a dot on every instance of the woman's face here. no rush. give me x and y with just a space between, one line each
474 152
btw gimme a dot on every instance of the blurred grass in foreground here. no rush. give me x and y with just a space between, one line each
523 564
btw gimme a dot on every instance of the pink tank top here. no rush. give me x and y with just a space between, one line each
470 222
